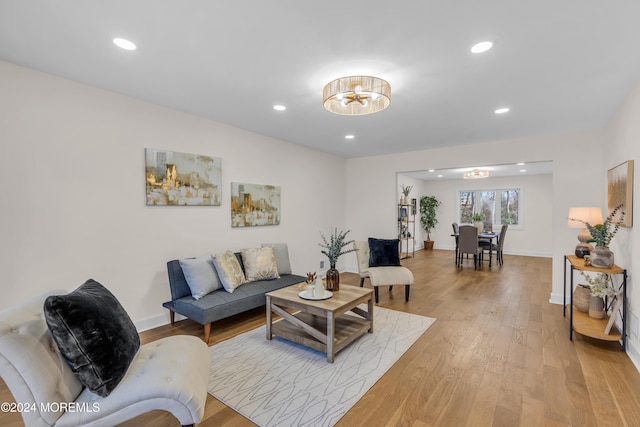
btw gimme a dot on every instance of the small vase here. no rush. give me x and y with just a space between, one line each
333 279
601 257
596 307
479 225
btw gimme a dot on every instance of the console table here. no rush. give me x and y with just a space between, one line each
581 322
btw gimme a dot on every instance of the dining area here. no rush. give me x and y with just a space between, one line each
472 242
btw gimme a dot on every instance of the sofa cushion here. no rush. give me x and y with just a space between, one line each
383 252
260 264
282 257
201 275
94 334
229 270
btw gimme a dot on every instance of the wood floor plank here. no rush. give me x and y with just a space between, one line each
498 355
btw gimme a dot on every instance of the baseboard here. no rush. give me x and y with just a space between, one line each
633 354
156 321
556 299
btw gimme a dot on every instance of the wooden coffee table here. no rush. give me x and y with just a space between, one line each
322 325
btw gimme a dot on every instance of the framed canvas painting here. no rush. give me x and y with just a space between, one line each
254 204
620 191
182 179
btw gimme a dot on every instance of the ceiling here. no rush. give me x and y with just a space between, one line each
559 65
512 169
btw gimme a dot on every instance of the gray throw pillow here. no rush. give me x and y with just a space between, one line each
282 257
94 334
201 275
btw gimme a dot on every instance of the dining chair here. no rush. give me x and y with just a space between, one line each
456 232
496 247
468 244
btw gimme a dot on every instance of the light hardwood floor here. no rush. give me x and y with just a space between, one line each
498 355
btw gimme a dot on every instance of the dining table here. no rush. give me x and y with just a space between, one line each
486 236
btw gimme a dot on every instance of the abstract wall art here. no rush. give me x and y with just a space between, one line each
254 204
182 179
620 191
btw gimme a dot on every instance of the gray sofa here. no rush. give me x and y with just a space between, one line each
219 304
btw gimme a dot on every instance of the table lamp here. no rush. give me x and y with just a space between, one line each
591 215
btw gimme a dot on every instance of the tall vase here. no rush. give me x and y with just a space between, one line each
601 257
333 279
596 307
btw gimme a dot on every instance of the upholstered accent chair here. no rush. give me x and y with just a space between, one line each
381 275
169 374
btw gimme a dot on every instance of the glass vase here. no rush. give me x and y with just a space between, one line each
333 279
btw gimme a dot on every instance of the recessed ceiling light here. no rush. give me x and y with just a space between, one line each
440 176
523 170
432 170
502 110
124 44
279 107
349 136
520 164
481 47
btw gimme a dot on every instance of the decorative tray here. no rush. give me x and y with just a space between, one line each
327 295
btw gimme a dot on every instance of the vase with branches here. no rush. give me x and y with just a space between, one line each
333 248
602 234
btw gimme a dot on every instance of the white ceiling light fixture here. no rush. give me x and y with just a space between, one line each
349 136
124 44
475 174
356 95
502 110
279 107
481 47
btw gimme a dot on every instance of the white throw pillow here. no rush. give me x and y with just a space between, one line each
201 275
229 271
260 264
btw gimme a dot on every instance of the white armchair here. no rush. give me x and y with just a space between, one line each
381 276
170 374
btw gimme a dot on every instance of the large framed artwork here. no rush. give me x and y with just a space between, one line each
182 179
254 204
620 191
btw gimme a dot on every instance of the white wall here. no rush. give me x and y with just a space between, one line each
577 181
73 199
622 136
534 238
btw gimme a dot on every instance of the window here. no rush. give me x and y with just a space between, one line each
498 206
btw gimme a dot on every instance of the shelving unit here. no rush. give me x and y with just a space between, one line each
581 322
407 229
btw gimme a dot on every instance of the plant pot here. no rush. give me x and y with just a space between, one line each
601 257
333 279
596 307
582 298
428 245
479 225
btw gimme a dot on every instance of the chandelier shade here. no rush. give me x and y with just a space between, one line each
356 95
476 174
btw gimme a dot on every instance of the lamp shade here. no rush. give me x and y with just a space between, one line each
587 214
356 95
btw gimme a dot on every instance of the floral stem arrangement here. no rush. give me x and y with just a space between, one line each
602 234
334 246
601 286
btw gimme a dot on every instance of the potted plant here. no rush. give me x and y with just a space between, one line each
477 219
333 248
406 189
428 206
602 234
601 286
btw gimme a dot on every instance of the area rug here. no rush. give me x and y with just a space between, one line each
280 383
